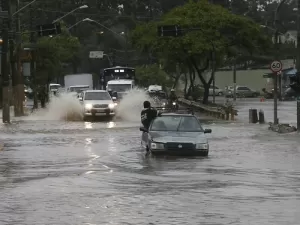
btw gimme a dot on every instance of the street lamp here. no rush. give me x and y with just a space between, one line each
24 7
81 7
105 27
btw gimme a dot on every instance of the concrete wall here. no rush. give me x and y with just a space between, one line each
251 78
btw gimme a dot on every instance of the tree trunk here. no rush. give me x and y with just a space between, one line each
205 94
176 81
206 89
185 86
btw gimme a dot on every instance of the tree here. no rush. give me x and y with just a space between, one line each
152 74
215 31
52 52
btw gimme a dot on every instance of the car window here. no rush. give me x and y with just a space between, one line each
97 96
176 123
243 88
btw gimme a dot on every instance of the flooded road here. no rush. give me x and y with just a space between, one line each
95 173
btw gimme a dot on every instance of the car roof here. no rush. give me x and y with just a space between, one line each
120 81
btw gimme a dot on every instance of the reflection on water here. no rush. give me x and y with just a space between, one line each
88 125
111 124
101 176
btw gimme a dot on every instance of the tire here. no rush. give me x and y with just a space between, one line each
205 154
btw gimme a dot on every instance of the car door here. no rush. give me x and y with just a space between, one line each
241 91
211 90
248 92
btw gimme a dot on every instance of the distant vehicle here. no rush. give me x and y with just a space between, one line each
218 91
116 73
241 92
176 134
83 79
289 95
54 89
78 88
154 88
122 86
160 98
97 103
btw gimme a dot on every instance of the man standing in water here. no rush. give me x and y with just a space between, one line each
148 114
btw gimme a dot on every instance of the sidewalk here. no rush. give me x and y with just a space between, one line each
286 111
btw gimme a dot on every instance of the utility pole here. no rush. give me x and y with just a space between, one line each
33 59
4 68
19 82
298 63
234 79
213 69
12 58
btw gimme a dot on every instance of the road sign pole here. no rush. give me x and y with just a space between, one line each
276 67
275 99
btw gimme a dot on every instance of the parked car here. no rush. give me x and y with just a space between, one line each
218 91
241 92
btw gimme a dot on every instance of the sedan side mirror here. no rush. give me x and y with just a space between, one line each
207 131
143 129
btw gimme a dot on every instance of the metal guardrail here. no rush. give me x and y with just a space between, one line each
215 111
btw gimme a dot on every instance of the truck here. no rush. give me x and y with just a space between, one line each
78 82
121 86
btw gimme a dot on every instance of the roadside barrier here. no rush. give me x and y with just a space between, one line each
220 112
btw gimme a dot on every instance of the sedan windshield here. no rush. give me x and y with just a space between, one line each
176 123
97 96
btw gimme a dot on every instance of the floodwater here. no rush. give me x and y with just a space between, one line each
59 173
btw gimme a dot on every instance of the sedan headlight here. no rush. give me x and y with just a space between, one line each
202 146
88 106
155 145
111 106
174 103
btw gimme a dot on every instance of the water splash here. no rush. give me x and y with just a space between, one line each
65 107
129 108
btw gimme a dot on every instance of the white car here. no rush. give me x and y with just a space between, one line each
97 103
218 91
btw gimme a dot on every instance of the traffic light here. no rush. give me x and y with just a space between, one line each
295 83
169 31
48 29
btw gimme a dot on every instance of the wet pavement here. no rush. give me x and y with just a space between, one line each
55 172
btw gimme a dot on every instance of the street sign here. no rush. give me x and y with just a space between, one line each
96 54
169 31
48 29
276 66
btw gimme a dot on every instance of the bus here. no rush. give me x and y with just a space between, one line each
116 73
